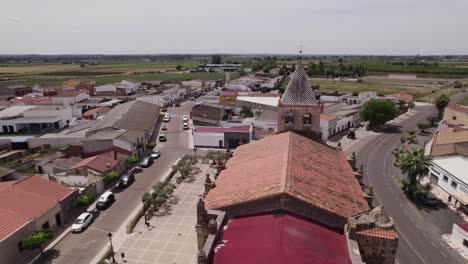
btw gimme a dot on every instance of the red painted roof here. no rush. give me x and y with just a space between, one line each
289 163
27 199
379 233
208 129
458 108
101 163
278 239
464 226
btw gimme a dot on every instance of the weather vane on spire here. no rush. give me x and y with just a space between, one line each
300 51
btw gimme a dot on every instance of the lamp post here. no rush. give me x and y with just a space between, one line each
195 151
109 235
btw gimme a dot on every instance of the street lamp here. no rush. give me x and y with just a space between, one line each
195 151
109 235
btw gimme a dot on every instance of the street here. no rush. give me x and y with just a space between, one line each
83 247
419 233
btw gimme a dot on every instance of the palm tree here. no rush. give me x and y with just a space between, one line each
415 164
432 120
412 134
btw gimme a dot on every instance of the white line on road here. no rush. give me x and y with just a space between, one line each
411 246
425 234
418 226
433 244
445 256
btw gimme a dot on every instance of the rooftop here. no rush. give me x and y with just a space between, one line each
264 100
455 165
210 129
458 108
378 232
299 91
280 238
102 109
27 199
327 117
101 163
15 111
289 163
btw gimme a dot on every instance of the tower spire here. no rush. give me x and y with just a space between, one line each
300 52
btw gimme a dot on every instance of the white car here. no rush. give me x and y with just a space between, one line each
166 119
185 118
167 115
185 126
82 222
156 154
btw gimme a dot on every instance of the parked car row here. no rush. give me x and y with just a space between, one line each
108 198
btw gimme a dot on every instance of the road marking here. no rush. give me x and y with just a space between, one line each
411 246
443 254
418 226
433 244
425 234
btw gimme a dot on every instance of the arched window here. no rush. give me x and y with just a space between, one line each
289 118
307 119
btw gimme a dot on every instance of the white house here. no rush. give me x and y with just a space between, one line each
221 137
460 236
327 126
450 174
31 119
128 87
66 98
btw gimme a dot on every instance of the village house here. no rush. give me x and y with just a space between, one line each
34 119
27 205
208 114
221 137
455 115
70 97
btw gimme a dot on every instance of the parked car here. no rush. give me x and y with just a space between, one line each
429 199
83 221
156 154
146 162
164 128
167 115
166 119
162 138
105 200
185 126
126 179
185 118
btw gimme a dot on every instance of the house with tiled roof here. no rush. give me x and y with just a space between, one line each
27 205
456 115
298 109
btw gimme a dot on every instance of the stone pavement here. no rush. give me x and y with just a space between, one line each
171 237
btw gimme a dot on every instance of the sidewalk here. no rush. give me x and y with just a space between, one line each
171 237
447 238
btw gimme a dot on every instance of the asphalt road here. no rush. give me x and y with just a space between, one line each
420 229
82 248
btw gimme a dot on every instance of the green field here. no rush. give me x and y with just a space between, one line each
463 101
139 64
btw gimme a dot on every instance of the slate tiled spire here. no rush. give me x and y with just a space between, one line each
299 91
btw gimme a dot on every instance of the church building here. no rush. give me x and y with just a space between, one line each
298 109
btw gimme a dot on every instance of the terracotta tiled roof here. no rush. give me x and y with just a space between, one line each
378 232
27 199
288 163
327 117
101 163
10 221
102 109
458 108
451 137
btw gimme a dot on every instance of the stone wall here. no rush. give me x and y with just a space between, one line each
299 112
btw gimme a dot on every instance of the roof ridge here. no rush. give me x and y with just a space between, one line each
285 181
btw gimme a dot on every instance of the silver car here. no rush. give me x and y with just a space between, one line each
83 221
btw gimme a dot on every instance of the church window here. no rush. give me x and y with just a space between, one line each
289 118
307 119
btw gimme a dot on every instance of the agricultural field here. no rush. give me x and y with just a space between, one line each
463 101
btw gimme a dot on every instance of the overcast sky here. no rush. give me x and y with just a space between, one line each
390 27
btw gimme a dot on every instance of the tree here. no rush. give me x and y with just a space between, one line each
247 112
410 105
111 176
378 112
441 102
412 134
83 200
184 166
415 164
423 126
132 160
432 120
37 239
151 145
179 67
216 59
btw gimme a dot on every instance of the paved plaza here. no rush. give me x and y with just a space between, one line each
171 237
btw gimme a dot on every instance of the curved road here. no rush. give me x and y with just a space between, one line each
419 230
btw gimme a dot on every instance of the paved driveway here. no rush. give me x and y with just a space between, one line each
82 248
